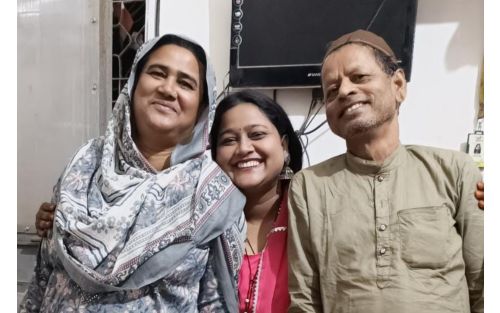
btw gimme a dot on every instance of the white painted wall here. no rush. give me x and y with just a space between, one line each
448 55
187 17
442 97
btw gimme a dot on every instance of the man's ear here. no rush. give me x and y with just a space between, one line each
399 83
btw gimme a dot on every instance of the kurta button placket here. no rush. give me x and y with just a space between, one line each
382 212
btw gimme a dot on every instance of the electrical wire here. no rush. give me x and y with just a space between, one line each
308 116
225 88
315 129
375 15
304 148
313 117
312 112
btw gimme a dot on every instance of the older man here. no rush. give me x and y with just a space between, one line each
384 227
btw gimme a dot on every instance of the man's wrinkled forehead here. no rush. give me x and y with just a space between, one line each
355 57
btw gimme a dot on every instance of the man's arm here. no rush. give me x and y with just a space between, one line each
303 277
470 226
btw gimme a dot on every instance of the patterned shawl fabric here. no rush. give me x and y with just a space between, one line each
120 225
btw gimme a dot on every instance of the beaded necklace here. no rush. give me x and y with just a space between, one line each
251 298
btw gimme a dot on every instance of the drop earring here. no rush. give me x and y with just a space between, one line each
286 172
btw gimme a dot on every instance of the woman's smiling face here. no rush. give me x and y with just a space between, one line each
250 149
168 93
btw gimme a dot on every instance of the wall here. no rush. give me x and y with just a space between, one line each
187 17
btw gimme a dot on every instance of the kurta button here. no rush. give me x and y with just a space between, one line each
382 251
380 178
382 227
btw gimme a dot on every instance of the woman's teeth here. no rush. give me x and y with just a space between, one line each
247 164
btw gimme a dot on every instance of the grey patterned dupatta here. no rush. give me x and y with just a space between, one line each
120 225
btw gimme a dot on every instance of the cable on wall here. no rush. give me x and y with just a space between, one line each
314 108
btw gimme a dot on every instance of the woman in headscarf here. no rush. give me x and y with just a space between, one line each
145 220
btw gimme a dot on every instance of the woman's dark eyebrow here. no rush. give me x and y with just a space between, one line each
181 74
226 131
188 77
231 130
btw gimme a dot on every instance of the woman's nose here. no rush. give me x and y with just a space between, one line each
167 88
245 146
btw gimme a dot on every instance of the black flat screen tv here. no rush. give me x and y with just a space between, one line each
281 43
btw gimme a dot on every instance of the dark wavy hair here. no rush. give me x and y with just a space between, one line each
274 113
194 48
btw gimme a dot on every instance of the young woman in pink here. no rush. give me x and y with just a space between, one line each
253 141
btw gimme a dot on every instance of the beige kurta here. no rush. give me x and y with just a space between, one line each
403 237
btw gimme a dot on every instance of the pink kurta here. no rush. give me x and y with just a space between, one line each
271 294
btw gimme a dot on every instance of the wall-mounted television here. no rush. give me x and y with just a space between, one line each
281 43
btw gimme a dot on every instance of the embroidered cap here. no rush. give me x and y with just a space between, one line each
365 37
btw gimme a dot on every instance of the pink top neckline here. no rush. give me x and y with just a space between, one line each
272 283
